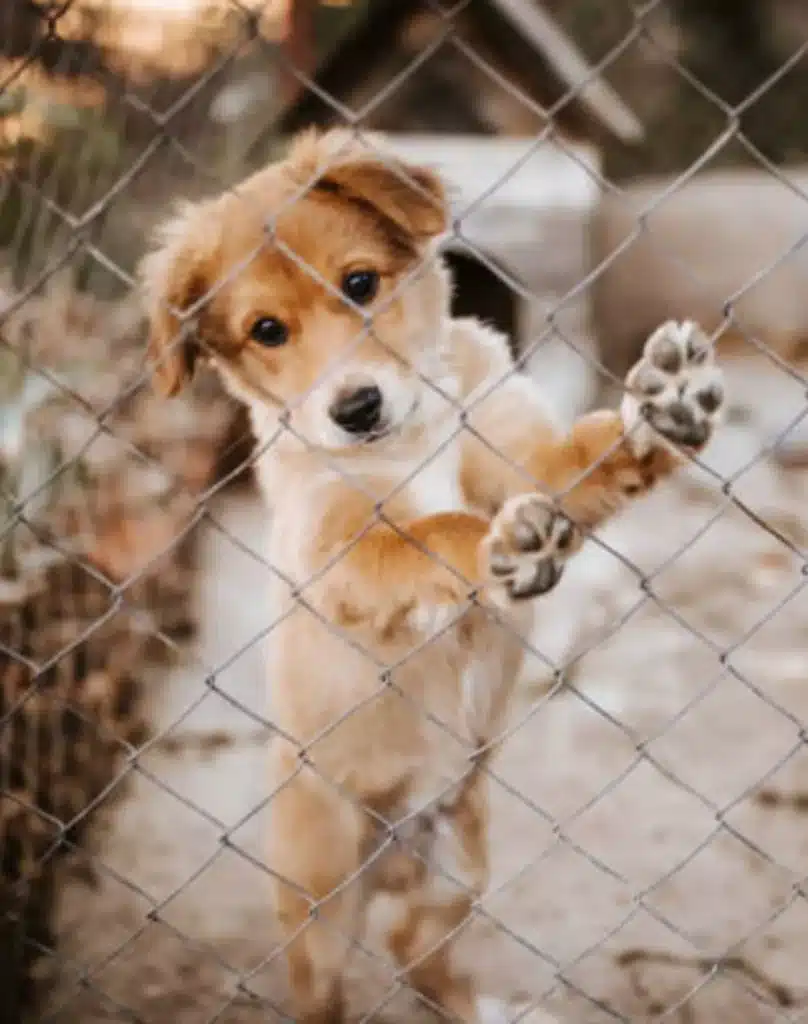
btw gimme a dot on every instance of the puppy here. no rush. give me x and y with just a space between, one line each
420 498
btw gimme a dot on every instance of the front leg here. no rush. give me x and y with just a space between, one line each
389 577
673 401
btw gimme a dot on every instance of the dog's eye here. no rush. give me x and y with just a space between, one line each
269 332
361 286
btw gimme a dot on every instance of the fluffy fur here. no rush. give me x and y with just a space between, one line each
404 557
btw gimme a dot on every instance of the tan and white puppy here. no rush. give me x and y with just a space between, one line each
419 496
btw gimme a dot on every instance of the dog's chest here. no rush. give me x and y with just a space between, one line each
434 483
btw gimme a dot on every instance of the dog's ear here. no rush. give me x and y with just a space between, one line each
174 275
410 199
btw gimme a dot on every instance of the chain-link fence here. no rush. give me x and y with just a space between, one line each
610 166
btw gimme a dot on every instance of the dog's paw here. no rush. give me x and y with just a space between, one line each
675 393
527 545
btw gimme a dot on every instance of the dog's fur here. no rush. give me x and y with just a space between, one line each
402 559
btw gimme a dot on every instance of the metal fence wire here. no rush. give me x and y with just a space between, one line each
647 798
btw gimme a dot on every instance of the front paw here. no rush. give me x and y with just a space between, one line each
675 393
527 545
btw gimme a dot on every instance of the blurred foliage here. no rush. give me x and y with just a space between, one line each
29 33
731 48
66 144
60 152
98 482
79 505
333 23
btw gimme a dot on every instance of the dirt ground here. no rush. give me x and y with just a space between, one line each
650 827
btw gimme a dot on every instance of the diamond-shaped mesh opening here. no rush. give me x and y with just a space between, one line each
279 751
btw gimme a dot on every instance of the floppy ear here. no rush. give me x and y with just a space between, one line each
410 199
174 276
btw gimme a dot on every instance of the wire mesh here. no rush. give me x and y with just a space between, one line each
648 787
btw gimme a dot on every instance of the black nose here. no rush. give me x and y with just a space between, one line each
358 411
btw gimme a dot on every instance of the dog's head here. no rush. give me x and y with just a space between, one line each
309 291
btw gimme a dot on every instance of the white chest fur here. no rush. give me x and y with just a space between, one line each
434 484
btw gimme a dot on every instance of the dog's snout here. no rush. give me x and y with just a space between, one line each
358 411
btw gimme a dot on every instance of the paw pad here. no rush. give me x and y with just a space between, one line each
675 393
527 546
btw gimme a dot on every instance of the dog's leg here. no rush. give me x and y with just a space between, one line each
434 974
314 849
674 399
439 561
424 917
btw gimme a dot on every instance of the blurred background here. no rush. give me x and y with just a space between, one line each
611 164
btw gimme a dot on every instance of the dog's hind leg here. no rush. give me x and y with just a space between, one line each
423 916
315 843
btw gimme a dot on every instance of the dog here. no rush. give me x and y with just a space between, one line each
420 499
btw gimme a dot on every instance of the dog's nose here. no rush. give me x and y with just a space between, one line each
358 411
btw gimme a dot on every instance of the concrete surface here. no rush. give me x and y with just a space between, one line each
649 846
